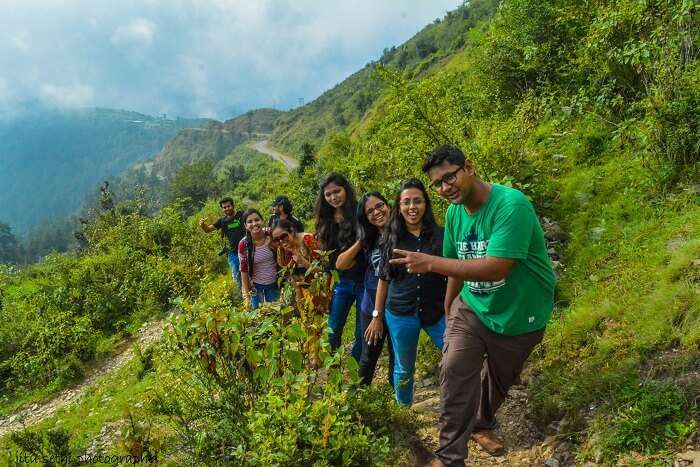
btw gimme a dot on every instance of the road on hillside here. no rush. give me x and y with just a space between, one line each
288 161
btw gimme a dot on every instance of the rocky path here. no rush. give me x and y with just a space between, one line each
525 444
37 412
288 161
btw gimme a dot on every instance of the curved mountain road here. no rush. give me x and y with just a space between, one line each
288 161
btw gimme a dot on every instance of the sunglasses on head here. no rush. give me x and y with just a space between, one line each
282 237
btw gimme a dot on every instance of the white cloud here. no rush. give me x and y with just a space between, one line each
71 96
138 30
195 57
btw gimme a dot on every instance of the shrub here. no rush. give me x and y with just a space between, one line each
261 387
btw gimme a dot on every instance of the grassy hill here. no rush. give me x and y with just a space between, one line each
343 106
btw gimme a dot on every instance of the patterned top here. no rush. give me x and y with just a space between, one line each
265 270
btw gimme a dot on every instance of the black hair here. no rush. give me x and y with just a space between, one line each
285 225
368 231
287 206
228 199
336 236
396 230
249 243
444 153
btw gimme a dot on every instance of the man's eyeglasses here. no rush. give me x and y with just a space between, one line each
377 207
449 178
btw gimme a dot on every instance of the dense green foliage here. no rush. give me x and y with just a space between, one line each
59 313
9 248
261 387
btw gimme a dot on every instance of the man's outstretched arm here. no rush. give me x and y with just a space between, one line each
490 268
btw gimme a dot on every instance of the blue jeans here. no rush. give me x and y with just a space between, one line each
345 292
404 331
235 263
266 293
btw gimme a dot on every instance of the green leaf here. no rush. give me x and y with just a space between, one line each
253 357
294 358
352 365
295 332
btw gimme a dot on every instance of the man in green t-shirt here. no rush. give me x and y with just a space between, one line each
499 298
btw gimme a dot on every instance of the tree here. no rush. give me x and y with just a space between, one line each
192 185
8 244
307 156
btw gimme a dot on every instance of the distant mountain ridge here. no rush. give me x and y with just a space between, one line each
50 160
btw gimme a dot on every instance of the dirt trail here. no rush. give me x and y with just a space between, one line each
35 413
525 444
288 161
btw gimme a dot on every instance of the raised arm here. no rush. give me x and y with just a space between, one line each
346 259
206 226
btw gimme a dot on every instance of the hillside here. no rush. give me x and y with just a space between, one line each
591 109
211 143
342 107
51 160
149 178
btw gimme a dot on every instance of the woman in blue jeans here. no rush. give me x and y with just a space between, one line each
258 262
410 302
336 228
372 216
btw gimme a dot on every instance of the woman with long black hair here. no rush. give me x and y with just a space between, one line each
410 302
372 217
258 262
336 227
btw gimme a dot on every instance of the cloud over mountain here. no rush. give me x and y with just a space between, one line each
193 57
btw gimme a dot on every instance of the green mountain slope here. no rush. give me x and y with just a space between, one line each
211 143
50 161
343 106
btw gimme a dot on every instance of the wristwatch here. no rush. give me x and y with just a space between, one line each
375 313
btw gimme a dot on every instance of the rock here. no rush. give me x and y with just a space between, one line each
694 189
551 462
675 243
595 233
550 441
690 456
554 232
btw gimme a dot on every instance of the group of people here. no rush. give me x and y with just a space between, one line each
482 287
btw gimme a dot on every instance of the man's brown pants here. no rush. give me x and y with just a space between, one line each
478 367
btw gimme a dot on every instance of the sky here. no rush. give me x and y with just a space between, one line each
193 58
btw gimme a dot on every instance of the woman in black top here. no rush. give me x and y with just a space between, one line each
410 302
336 228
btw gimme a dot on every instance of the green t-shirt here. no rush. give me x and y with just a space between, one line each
505 227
